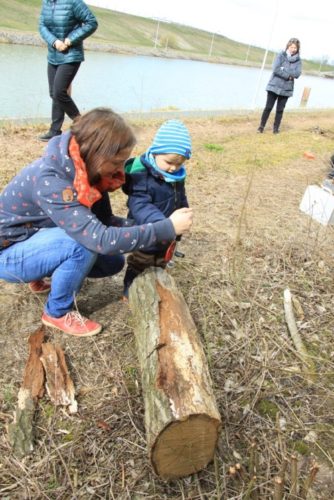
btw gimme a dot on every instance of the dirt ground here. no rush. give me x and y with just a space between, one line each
248 244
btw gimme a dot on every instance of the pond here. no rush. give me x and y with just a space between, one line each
142 84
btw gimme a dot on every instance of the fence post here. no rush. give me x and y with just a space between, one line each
305 96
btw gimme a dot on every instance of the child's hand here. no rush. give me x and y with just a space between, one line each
182 220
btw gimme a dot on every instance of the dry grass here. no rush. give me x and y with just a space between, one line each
248 244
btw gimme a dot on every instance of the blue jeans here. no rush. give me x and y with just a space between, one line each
51 252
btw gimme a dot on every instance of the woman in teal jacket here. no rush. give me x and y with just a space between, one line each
64 24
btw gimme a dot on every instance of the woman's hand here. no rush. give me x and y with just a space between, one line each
60 46
182 220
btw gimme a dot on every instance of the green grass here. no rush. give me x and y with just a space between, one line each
139 32
214 147
260 151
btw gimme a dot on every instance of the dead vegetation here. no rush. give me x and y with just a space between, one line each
249 244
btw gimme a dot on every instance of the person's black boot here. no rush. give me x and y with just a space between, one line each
130 275
263 121
46 137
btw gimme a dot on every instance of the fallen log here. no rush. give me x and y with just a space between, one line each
20 431
46 366
181 417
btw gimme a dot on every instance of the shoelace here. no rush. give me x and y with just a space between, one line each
75 317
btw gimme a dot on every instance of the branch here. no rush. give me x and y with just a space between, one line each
308 365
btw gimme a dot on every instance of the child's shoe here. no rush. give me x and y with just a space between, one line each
73 324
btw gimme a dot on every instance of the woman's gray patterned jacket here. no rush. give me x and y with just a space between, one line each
285 70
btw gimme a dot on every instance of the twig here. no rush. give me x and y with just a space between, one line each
253 470
217 475
250 489
283 468
122 475
252 460
9 488
200 493
309 480
67 472
242 217
238 470
308 365
294 477
278 488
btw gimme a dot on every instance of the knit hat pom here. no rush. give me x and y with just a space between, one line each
172 137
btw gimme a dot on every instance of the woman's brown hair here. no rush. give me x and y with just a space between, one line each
294 41
101 134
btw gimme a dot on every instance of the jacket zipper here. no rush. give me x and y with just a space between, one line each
175 195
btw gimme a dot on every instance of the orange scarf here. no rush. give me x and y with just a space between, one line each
87 194
112 184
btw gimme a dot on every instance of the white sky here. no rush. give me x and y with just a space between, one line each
265 23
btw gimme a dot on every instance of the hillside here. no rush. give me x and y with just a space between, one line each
248 243
120 32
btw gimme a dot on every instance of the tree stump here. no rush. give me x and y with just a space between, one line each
181 417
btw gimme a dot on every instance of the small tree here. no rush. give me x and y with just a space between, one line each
169 41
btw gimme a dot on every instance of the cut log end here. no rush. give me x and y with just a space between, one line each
185 447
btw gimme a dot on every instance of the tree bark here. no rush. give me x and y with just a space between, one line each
181 416
20 431
46 364
59 385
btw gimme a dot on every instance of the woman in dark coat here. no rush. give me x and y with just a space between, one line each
287 66
64 24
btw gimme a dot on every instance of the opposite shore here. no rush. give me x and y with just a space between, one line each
32 38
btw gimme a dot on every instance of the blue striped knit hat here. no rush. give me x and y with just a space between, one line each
172 137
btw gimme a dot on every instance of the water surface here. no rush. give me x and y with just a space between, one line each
141 84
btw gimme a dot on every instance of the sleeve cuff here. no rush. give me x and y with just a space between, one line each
164 230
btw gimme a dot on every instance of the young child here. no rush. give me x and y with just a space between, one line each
155 188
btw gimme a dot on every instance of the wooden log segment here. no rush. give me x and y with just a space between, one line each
20 431
59 385
46 365
181 417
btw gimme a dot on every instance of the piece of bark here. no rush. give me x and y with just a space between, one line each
181 416
20 431
33 378
59 384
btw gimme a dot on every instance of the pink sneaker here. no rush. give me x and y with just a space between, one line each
73 324
39 286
